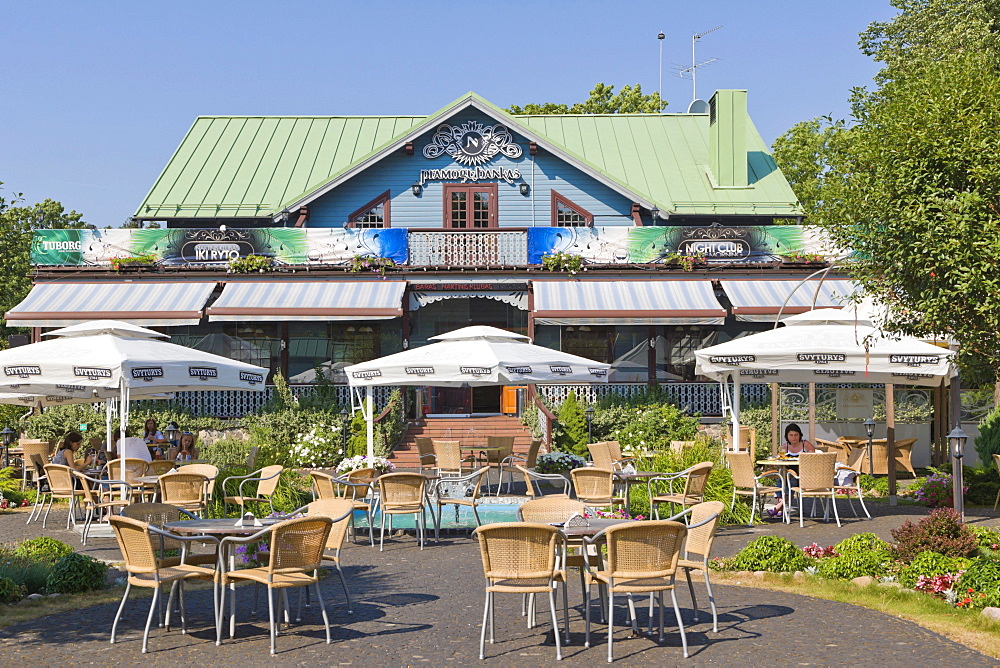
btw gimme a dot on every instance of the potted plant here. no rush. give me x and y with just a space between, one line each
562 261
380 464
251 264
132 262
795 258
558 462
376 265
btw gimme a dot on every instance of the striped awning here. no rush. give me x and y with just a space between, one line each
143 303
760 301
309 300
626 302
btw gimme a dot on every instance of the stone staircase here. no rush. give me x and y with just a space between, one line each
470 431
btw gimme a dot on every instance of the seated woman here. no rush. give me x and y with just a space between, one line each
185 448
66 456
794 445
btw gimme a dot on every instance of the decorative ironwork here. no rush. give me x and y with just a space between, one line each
472 143
912 405
700 398
468 249
236 404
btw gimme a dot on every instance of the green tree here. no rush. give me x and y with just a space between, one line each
16 226
602 100
572 436
912 187
805 154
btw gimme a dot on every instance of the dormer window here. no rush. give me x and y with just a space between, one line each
567 214
373 214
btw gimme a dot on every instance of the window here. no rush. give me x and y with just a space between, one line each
567 214
373 214
469 207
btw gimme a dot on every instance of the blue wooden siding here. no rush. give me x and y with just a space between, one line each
397 172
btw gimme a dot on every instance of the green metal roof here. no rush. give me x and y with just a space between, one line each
254 166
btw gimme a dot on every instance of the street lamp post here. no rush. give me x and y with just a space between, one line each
957 439
590 424
8 437
870 430
171 431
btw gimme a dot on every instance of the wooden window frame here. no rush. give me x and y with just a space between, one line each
558 199
448 188
384 199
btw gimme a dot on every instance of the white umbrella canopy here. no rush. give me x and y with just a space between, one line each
829 316
826 354
116 327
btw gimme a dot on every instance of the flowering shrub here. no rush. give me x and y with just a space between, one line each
617 514
936 490
646 427
941 532
562 262
380 464
817 551
927 565
320 446
253 555
558 462
685 262
980 583
937 585
376 265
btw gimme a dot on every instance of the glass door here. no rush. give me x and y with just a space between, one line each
470 207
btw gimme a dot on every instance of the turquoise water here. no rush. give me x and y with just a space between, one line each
453 517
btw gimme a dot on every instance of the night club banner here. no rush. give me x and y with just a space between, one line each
718 244
287 246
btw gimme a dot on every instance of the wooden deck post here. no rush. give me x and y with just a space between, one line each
890 441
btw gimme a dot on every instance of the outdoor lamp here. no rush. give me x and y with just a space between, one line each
171 431
654 213
957 439
343 428
417 189
870 427
870 430
525 189
7 436
590 423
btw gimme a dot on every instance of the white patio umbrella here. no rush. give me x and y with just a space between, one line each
472 357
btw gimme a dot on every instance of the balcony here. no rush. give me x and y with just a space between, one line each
468 249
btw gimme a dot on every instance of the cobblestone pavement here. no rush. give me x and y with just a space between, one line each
415 606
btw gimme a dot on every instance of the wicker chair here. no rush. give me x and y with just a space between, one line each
108 497
904 455
446 486
158 514
746 483
326 487
41 486
208 470
267 482
642 558
296 553
600 454
340 511
146 569
449 459
695 479
850 489
159 467
509 464
187 491
595 486
747 441
842 449
134 469
403 494
520 558
495 458
425 448
31 447
815 479
615 448
531 477
704 520
61 487
359 483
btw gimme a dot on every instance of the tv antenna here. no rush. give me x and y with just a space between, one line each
693 69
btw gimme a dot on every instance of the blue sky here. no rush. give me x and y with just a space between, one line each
98 95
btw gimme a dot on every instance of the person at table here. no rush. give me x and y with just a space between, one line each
154 437
66 456
794 445
185 448
132 447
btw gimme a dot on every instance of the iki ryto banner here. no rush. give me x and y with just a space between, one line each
337 245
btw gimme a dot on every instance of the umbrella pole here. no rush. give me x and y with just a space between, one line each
369 412
735 444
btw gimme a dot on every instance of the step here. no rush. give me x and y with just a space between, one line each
471 431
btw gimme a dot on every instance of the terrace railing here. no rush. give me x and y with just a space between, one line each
468 248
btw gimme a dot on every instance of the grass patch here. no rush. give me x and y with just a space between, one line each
967 627
23 612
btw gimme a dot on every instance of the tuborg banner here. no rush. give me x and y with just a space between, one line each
337 245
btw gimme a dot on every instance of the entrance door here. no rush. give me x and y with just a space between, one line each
470 207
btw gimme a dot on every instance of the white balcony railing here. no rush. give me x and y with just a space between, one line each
468 249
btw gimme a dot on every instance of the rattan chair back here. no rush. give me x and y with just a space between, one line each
339 511
700 538
697 479
506 445
591 482
187 490
60 479
532 458
38 462
40 448
136 544
816 472
210 471
252 458
517 550
363 476
89 498
159 467
134 468
425 450
402 490
156 514
679 447
297 545
648 549
266 488
325 485
615 448
600 454
552 509
449 456
741 466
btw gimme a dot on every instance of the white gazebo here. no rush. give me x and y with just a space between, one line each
470 357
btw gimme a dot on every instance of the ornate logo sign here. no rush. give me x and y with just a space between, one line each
147 373
91 373
203 372
251 377
419 370
23 371
472 143
914 360
732 360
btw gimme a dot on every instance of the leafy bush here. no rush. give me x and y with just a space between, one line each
25 572
320 446
770 553
558 462
989 541
860 543
941 532
572 436
758 417
874 485
929 565
226 451
43 549
76 573
10 591
10 487
643 427
936 490
854 565
982 577
988 441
